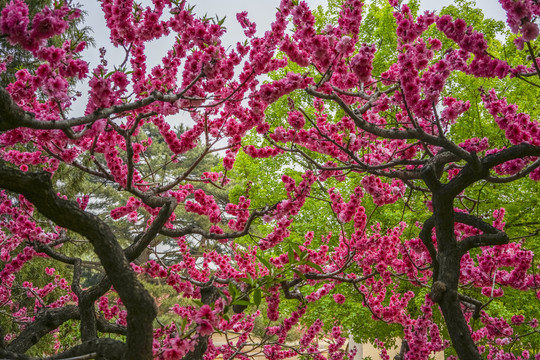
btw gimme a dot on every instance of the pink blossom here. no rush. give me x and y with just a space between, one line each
339 298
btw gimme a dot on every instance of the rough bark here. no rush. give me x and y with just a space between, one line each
46 320
447 255
2 341
49 319
447 258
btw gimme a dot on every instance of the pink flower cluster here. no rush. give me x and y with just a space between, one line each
416 57
430 341
206 320
271 92
339 298
182 193
109 312
311 333
188 139
47 23
60 64
262 153
278 234
361 63
291 49
475 144
453 109
24 158
349 20
383 193
296 119
296 194
224 265
326 174
288 324
345 211
212 176
239 211
323 291
273 300
518 128
520 17
407 30
204 205
129 209
473 42
106 89
125 22
250 27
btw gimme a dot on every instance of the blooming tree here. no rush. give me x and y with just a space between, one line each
390 132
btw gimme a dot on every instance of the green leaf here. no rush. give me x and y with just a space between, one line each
300 274
257 296
296 248
290 253
313 265
247 280
241 302
197 302
184 323
232 290
179 328
264 262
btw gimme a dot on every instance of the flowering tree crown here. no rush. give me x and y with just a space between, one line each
387 134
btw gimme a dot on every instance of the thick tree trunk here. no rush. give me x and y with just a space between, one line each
457 327
88 318
445 287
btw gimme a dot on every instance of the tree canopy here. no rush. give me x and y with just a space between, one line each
356 169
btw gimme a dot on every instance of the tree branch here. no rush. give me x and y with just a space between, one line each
491 236
394 133
425 236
